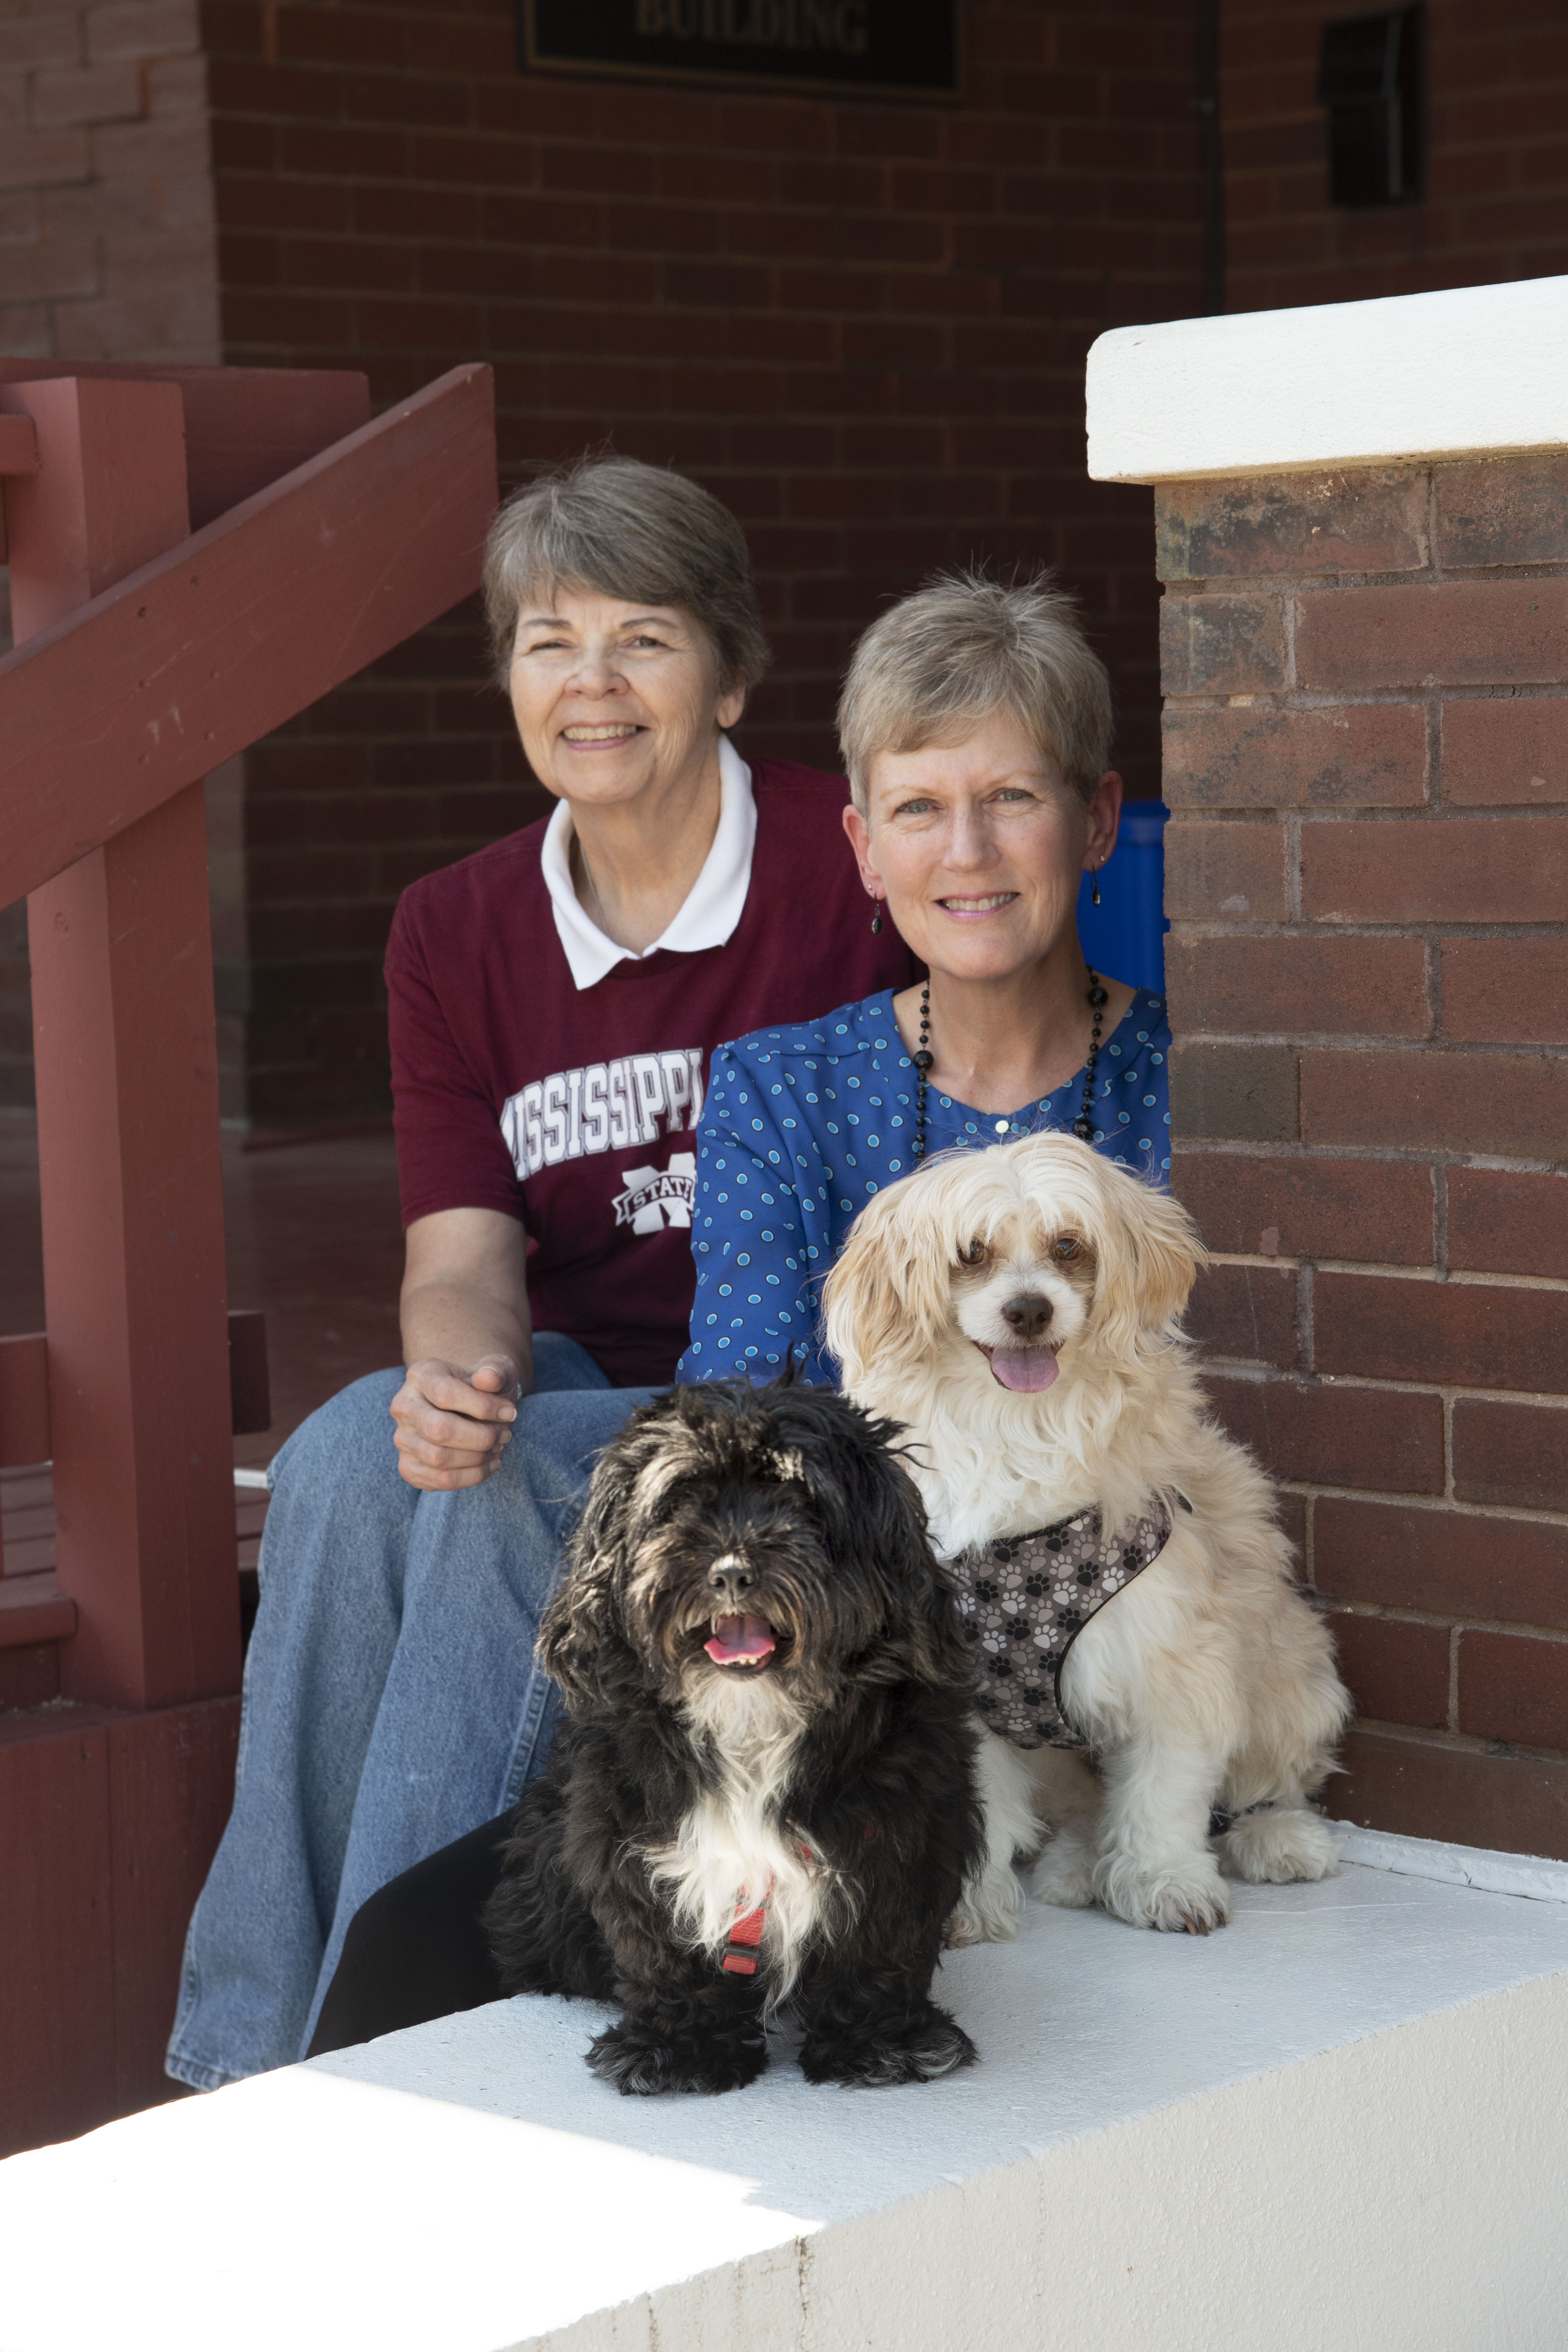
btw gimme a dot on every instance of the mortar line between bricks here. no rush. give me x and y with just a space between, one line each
1435 1503
1305 1324
1332 1041
1350 811
1450 813
1461 1743
1447 1449
1402 1155
1404 696
1282 1261
1384 1270
1404 813
1252 1374
1472 1277
1453 1677
1391 1613
1335 583
1238 816
1434 537
1440 1222
1315 928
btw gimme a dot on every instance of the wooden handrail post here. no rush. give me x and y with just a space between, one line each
321 540
127 1125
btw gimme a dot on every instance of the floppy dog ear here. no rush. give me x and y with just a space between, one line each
580 1645
1170 1251
942 1657
937 1653
889 1290
876 1516
1161 1252
582 1642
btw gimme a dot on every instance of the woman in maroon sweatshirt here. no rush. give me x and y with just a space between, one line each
554 1002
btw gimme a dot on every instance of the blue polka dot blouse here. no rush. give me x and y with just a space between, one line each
802 1125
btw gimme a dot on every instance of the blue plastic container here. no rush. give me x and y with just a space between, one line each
1124 936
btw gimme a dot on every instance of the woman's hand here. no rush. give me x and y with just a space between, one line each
468 1345
453 1425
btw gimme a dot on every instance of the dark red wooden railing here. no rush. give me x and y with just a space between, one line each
196 556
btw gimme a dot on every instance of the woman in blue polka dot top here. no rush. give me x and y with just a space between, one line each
975 724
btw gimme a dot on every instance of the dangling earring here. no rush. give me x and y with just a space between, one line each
1094 888
876 917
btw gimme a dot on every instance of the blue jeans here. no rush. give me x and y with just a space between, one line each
391 1699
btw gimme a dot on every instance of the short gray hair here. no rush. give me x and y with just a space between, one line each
640 533
966 648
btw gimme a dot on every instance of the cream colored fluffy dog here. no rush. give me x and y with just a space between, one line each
1015 1308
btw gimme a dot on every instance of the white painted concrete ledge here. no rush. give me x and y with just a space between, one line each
1476 370
1338 2123
1532 1876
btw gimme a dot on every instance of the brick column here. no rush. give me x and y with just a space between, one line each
1366 756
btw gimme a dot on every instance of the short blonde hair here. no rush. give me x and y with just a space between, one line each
962 649
642 534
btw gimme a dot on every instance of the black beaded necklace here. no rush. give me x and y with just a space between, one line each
922 1058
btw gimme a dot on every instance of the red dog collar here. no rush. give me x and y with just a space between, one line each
745 1936
744 1942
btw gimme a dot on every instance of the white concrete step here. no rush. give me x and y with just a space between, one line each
1340 2124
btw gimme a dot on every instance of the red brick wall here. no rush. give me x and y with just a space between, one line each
862 324
1366 748
106 243
1497 202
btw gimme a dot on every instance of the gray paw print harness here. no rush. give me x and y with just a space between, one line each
1024 1600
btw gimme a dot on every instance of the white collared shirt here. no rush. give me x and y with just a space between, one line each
711 908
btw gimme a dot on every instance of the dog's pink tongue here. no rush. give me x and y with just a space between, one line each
1024 1369
738 1638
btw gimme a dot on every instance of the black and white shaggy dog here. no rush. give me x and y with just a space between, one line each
764 1800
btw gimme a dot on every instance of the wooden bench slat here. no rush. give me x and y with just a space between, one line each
33 1609
25 1387
18 445
23 1400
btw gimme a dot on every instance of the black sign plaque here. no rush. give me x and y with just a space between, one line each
869 48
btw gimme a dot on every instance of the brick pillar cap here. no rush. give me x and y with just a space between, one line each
1472 371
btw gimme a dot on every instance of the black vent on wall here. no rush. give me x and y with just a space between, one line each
1371 77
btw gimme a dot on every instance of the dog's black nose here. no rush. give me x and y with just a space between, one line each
1027 1313
730 1578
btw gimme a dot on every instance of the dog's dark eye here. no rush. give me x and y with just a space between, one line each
1066 1249
973 1253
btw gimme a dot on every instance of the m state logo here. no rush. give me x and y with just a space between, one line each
653 1200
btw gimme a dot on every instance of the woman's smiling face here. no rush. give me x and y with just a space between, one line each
610 697
978 848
